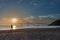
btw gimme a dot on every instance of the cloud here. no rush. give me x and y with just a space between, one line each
31 17
56 16
48 17
35 2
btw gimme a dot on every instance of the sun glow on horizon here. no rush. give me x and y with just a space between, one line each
14 20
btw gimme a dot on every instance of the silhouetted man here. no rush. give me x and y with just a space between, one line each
11 27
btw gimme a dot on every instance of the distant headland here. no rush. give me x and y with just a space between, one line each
55 23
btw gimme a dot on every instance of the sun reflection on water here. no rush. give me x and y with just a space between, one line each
14 27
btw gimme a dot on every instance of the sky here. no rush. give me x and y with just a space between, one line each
30 9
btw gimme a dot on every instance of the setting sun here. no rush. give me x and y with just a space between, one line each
14 20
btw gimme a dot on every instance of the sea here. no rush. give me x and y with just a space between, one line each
24 27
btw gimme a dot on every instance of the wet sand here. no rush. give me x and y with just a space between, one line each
31 34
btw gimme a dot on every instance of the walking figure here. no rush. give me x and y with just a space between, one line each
11 27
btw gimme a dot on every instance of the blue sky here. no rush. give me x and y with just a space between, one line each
26 8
